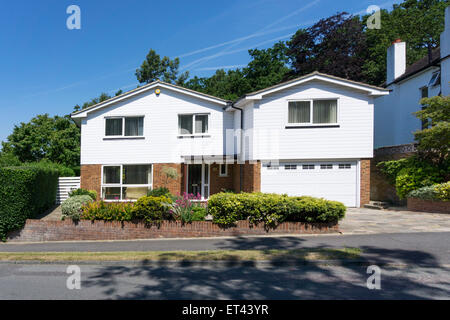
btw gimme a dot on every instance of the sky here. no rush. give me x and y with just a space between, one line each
47 68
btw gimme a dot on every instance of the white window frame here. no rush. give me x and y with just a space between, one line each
121 185
311 113
193 134
204 183
226 170
434 79
123 136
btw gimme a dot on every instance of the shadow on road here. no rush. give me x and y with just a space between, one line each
233 280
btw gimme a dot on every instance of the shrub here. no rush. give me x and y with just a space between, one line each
152 210
24 193
108 211
63 171
158 192
84 192
9 160
73 207
272 209
435 192
411 174
199 213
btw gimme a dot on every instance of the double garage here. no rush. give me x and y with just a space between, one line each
333 180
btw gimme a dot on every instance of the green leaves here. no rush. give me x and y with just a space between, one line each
56 139
434 142
154 68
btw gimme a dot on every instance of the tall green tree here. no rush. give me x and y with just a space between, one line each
55 139
336 45
154 68
418 22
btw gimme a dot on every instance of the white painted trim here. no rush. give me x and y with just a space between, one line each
145 89
358 183
121 185
311 113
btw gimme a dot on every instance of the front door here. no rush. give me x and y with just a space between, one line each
198 180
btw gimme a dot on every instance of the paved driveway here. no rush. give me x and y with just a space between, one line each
368 221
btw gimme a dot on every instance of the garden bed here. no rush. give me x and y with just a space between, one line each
67 230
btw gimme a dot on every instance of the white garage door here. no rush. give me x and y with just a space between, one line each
330 180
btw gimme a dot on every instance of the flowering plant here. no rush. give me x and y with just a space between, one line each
183 206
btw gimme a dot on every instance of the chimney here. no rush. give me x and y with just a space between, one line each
396 60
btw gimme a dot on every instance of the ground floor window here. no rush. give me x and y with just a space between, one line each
126 182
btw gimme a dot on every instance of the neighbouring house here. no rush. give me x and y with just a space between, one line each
308 136
395 123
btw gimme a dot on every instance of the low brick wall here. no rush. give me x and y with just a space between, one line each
428 205
39 230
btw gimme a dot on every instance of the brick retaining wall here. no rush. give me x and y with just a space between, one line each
428 205
39 230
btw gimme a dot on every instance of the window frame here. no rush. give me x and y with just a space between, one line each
311 113
121 185
193 134
220 170
123 136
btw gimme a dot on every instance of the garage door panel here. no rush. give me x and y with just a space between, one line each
333 184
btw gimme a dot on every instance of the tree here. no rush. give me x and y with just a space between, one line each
9 160
335 45
101 98
418 22
267 67
154 68
56 139
434 141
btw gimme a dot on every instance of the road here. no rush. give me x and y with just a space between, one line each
413 266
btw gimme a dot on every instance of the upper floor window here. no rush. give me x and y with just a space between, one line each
125 126
312 112
189 124
435 79
424 92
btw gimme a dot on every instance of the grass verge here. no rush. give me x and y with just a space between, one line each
216 255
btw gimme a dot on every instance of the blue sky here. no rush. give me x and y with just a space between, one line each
46 68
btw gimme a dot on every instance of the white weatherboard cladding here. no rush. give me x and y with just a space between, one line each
332 184
160 143
352 140
395 123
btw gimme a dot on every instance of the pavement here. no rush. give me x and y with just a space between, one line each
369 221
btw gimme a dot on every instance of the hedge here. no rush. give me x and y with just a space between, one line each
437 192
272 209
24 193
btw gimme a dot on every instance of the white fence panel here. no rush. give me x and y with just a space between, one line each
65 185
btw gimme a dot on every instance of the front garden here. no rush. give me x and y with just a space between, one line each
224 209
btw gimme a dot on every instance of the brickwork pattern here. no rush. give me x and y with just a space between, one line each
39 230
428 205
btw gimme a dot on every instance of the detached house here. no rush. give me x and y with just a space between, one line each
395 123
309 136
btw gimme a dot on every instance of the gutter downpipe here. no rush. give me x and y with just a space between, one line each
241 168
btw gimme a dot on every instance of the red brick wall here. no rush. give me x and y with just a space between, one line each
91 176
428 205
218 183
39 230
176 186
252 177
365 182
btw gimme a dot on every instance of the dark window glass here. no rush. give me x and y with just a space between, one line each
113 127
